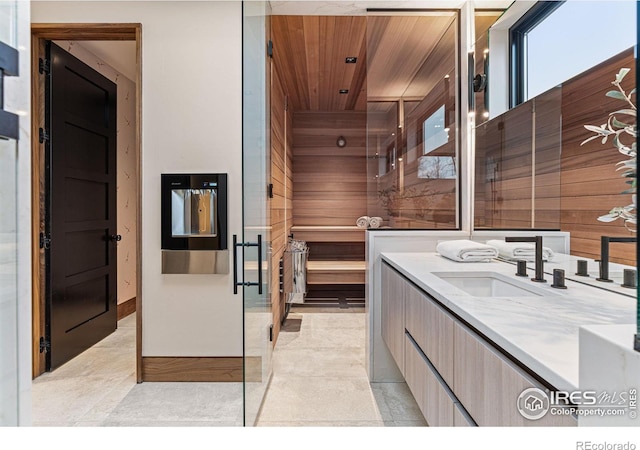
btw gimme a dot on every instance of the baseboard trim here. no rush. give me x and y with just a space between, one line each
126 308
202 369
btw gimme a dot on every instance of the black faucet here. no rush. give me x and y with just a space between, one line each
539 263
604 254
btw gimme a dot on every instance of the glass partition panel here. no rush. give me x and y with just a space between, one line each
255 213
517 167
9 383
547 153
412 119
8 286
504 170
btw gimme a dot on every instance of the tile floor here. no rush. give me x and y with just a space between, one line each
319 379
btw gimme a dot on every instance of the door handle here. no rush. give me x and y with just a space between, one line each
237 244
115 237
235 264
259 264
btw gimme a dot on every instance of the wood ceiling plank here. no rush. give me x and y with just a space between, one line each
311 52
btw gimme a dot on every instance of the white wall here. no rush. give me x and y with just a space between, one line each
191 122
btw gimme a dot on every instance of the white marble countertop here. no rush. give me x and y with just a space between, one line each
541 332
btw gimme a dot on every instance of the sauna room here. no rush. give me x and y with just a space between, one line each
332 79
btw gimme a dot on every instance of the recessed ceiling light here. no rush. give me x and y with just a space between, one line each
350 59
344 91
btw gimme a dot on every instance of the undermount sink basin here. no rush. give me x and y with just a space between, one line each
488 284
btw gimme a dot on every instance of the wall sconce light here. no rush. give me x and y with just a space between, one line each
341 142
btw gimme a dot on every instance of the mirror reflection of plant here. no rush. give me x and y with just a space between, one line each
621 131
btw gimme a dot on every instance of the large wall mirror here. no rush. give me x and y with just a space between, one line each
542 161
412 119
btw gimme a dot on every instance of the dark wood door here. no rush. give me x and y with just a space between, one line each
81 207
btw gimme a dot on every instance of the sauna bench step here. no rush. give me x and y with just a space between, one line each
328 233
336 272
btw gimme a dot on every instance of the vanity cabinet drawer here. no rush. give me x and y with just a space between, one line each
488 384
431 395
461 418
432 329
392 313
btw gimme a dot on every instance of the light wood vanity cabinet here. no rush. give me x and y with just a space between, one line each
431 395
432 329
456 377
392 313
488 384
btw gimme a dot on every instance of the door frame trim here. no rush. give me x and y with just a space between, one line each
77 32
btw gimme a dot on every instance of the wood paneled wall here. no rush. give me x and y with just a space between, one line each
574 184
590 184
282 180
329 182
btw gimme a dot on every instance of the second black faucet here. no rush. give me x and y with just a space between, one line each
539 277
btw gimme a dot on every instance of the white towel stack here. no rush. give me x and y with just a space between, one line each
464 250
363 222
519 250
375 222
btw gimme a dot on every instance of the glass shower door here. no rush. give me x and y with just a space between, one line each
256 235
8 232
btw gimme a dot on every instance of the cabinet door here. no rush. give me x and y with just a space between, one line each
460 417
432 329
392 313
488 385
431 395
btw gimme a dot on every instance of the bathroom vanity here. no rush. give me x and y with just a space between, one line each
469 338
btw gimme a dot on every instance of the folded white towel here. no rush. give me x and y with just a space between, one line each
363 222
375 222
519 250
464 250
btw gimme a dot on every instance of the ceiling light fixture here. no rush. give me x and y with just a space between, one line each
350 60
344 91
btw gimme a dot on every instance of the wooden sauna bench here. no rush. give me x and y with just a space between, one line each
336 254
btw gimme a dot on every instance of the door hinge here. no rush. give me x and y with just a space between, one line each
270 190
45 242
44 66
43 135
270 48
45 345
271 333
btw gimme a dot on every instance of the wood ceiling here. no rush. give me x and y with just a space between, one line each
310 52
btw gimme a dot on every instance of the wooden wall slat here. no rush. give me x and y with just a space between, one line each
590 184
281 178
330 183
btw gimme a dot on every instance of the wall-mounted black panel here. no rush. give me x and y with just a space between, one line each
194 211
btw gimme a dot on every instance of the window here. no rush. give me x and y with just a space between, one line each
435 133
557 40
